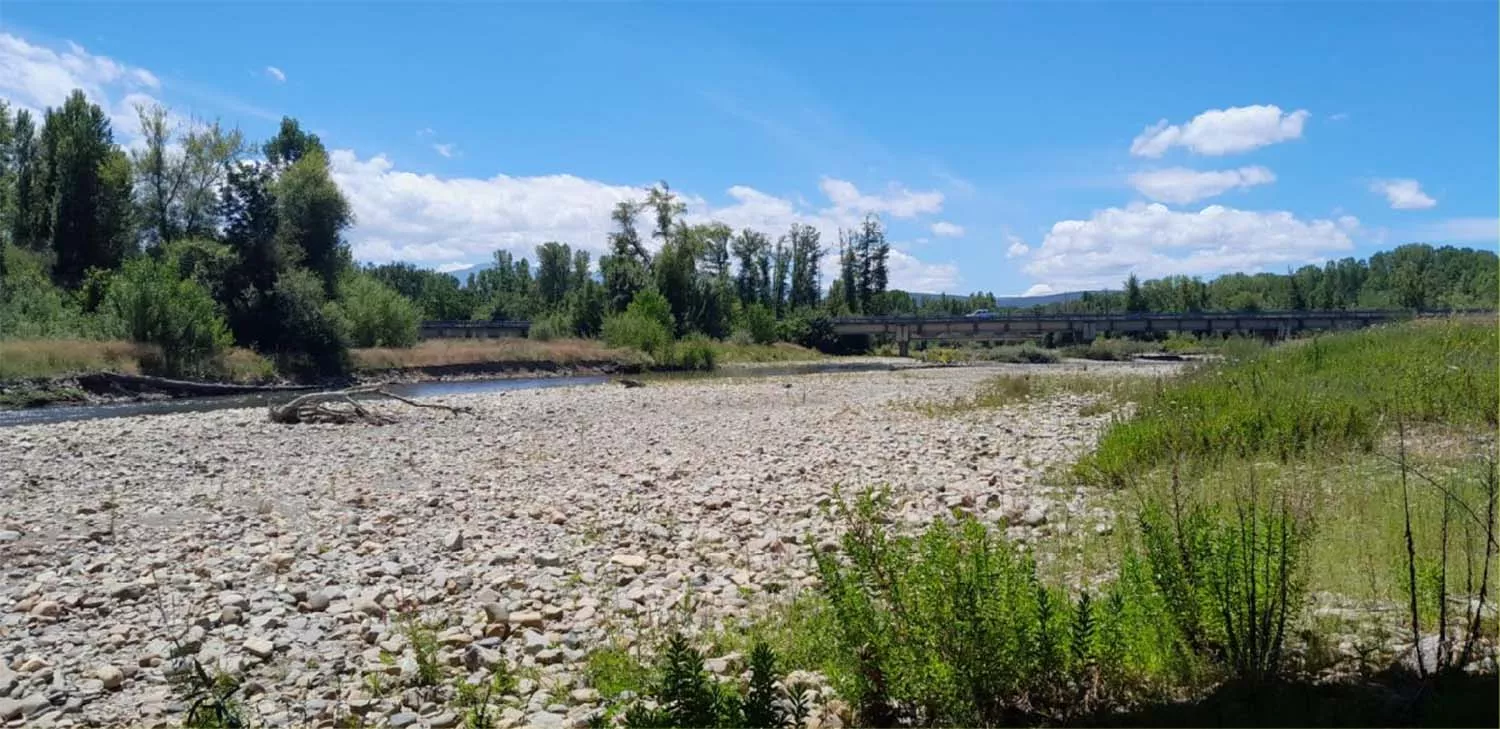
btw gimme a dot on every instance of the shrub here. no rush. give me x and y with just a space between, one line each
378 316
638 331
32 308
311 333
759 322
685 696
650 304
954 627
550 327
1232 582
694 353
154 305
586 310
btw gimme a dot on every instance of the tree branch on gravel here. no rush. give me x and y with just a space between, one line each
340 408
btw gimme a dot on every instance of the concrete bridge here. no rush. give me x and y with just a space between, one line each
472 329
904 330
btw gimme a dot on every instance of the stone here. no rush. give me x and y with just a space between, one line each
260 647
526 619
403 719
583 695
7 535
111 677
367 605
9 709
443 720
631 561
46 609
1034 516
494 612
546 720
453 541
546 559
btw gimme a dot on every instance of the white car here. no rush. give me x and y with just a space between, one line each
980 314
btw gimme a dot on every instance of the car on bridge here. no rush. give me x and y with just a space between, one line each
981 314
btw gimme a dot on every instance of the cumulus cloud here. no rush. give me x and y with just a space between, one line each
447 150
35 77
945 229
1017 247
896 201
1403 194
1222 131
1179 185
449 222
1152 240
276 74
1039 290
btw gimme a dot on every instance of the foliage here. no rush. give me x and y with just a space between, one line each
693 353
684 696
550 327
155 305
30 358
612 670
637 331
311 333
953 627
1337 391
377 315
759 322
31 307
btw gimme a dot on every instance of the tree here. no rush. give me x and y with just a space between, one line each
714 254
1135 301
86 191
667 209
248 209
154 304
781 268
554 272
291 144
752 251
311 217
624 270
30 226
160 175
849 274
807 256
873 252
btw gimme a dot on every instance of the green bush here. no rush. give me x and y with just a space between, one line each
1233 581
550 327
378 316
685 696
31 307
811 328
694 353
759 322
635 330
154 305
651 305
586 310
954 628
311 333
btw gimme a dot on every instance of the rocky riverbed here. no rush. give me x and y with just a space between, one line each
558 518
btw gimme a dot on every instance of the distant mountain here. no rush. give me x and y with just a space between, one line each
462 274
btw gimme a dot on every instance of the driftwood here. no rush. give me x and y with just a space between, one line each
339 407
110 382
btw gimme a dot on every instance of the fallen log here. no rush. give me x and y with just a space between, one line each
103 383
339 407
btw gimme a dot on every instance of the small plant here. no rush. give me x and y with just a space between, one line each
211 699
477 702
685 696
611 670
422 637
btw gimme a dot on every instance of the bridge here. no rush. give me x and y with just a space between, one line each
903 330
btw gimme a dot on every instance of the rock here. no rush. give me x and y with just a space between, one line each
583 696
9 709
46 609
281 560
495 612
1103 529
367 605
546 559
546 720
443 720
125 591
260 647
1034 516
111 677
453 541
403 719
632 561
526 619
318 601
7 535
34 704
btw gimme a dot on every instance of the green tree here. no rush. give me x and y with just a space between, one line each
781 268
378 316
291 144
86 191
1135 299
554 272
752 251
807 256
624 270
312 215
29 225
177 181
155 305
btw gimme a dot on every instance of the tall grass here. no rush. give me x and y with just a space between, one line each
30 358
1340 391
442 352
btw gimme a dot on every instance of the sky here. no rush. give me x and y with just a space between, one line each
1009 147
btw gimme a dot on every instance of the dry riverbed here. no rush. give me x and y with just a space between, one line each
286 553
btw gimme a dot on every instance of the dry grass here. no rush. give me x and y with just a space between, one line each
728 352
446 352
27 358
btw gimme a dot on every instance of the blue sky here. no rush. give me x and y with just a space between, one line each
1009 147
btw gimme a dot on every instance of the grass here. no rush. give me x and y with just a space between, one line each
1014 389
732 353
33 358
1338 392
457 352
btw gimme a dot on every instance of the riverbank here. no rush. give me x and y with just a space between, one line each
577 517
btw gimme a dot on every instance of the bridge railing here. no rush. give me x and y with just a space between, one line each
1217 315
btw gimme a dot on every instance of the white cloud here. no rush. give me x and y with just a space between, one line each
1017 247
1180 185
1039 290
450 222
447 150
945 229
1222 131
34 77
1152 240
1403 194
1458 230
897 201
276 74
